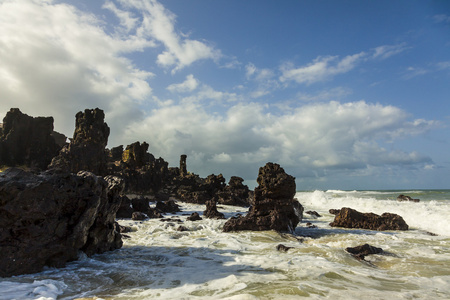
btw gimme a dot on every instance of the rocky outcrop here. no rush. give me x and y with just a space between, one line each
350 218
46 219
211 211
86 150
360 252
27 141
193 189
402 198
235 193
274 207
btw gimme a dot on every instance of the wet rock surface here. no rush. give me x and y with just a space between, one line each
360 252
274 207
46 219
350 218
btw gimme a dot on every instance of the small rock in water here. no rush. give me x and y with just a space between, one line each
182 228
359 252
138 216
194 217
284 248
313 213
402 198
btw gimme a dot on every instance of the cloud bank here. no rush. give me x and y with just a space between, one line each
57 60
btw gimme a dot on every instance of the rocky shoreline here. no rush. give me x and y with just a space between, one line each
59 198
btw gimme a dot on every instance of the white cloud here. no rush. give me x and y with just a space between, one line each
441 18
322 68
330 94
386 51
56 60
309 139
158 23
188 85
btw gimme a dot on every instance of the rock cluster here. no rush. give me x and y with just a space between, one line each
27 141
86 150
274 207
350 218
360 252
46 219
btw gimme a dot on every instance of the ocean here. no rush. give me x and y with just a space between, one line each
159 262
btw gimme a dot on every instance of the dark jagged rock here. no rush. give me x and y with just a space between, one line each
183 166
27 141
46 219
281 247
334 211
143 174
350 218
235 193
182 228
168 206
401 198
360 252
142 205
211 211
125 210
274 207
86 150
313 213
193 189
194 217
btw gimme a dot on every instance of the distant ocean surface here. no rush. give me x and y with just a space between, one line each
159 262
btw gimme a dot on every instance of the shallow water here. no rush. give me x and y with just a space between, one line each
205 263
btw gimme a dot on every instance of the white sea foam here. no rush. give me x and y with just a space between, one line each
206 263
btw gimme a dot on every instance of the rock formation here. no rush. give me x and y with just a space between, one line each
274 207
86 150
27 141
46 219
235 193
350 218
211 211
183 167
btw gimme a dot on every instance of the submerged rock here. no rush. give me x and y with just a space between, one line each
402 198
350 218
46 219
281 247
194 217
360 252
274 207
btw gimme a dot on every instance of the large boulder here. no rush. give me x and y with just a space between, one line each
27 141
350 218
274 206
86 150
47 218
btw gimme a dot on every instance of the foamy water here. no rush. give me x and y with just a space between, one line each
205 263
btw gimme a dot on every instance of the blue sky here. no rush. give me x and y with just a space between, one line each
342 94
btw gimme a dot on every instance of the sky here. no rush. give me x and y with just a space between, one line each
342 94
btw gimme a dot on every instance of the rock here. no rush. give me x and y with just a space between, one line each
360 252
182 228
334 211
313 213
183 167
86 150
350 218
281 247
193 189
274 207
235 193
125 210
168 206
138 216
401 198
136 155
47 218
140 204
194 217
211 211
27 141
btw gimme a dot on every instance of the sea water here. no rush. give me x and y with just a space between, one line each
159 262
